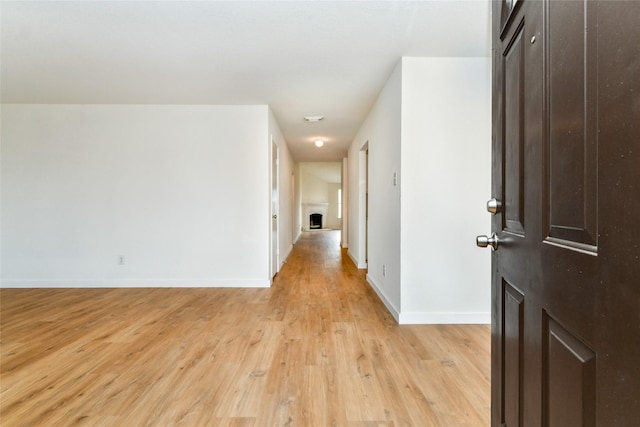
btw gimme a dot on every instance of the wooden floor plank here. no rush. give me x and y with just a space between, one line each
318 348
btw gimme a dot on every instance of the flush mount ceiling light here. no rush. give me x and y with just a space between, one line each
312 119
319 143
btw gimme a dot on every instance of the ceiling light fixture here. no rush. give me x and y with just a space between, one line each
313 119
319 143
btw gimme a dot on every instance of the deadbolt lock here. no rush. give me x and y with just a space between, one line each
494 206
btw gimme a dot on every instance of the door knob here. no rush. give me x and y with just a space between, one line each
484 241
493 206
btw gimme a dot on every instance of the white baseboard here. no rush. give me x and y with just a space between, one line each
360 266
286 255
434 318
138 283
344 245
394 312
430 318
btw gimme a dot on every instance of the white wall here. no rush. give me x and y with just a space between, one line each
332 220
314 189
381 132
446 181
431 126
179 191
286 211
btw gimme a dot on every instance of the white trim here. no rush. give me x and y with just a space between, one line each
444 318
383 298
138 283
274 208
286 255
353 259
363 223
430 318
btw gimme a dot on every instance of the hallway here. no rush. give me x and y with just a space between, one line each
318 348
370 370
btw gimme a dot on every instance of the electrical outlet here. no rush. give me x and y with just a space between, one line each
121 260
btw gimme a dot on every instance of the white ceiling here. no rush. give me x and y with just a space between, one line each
302 58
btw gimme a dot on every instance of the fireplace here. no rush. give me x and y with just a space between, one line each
309 209
315 221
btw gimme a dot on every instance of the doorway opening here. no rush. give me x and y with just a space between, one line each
320 196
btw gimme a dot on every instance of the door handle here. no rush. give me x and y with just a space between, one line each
494 206
484 241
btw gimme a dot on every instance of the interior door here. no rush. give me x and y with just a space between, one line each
566 184
275 204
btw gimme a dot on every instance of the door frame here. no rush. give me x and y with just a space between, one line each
274 200
363 205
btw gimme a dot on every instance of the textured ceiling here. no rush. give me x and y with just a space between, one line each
302 58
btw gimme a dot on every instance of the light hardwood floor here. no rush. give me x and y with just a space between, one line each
316 349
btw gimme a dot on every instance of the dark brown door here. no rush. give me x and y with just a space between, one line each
566 171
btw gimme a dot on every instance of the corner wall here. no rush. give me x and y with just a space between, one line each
431 126
381 133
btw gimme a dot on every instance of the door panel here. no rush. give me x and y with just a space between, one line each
514 67
516 317
566 165
570 68
513 335
569 377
